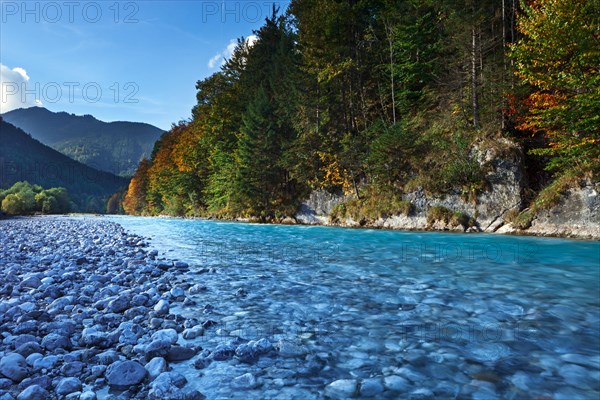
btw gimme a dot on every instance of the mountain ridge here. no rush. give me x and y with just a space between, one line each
23 158
115 147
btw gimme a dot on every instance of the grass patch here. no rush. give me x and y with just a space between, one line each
551 194
547 198
449 217
439 213
523 220
371 207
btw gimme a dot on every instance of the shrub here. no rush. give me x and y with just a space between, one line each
460 218
551 194
523 220
24 198
445 215
371 207
439 213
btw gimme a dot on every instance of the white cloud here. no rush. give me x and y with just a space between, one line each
213 61
220 58
14 89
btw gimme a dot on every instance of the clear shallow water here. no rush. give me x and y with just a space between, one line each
464 316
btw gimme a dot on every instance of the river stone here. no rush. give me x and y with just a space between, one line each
22 339
29 348
34 392
118 305
168 386
93 337
193 333
162 307
107 357
31 359
89 395
139 300
157 348
168 335
98 370
73 368
47 362
128 337
342 388
261 346
396 383
32 282
223 352
124 374
155 367
27 307
246 381
14 367
180 353
289 349
55 341
421 394
181 265
371 387
67 386
245 353
488 352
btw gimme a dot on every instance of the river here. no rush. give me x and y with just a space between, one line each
443 315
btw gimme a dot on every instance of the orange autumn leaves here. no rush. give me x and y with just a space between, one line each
559 59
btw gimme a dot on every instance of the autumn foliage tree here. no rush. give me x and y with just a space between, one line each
559 58
372 98
135 199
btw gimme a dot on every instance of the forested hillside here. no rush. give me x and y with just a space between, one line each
378 98
23 158
115 147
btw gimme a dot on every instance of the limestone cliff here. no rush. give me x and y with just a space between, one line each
576 215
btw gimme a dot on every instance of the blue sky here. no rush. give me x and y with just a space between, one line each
118 60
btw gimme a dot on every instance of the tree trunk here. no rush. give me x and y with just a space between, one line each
388 32
504 69
474 71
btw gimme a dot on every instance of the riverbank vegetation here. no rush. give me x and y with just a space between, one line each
377 98
23 198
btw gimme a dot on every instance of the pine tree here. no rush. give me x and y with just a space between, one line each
257 155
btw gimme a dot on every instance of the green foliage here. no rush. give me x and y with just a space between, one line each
438 213
447 216
365 98
24 198
558 57
547 198
26 159
523 220
553 193
371 207
394 156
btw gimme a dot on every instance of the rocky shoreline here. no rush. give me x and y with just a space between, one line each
86 312
576 216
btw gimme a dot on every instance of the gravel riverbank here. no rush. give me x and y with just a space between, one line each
90 311
86 313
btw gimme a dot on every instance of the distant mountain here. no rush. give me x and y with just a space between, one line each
115 147
23 158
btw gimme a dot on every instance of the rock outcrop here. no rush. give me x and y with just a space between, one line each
577 215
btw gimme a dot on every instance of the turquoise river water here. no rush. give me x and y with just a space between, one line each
398 314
